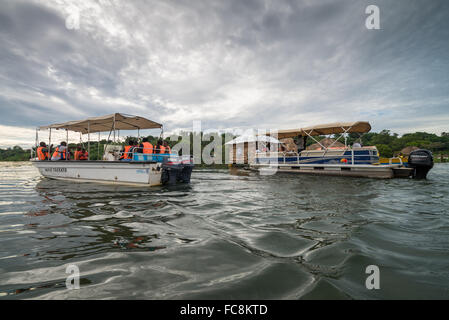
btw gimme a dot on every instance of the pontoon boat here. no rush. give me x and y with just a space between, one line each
340 161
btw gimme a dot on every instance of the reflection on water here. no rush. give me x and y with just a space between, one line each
224 236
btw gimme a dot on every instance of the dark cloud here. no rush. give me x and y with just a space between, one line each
231 63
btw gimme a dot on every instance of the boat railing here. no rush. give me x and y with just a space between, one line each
282 156
133 156
152 151
390 161
154 155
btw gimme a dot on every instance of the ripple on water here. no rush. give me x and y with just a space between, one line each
224 236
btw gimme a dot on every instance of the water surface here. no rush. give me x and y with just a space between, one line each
224 236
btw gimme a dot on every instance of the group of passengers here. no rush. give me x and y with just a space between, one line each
145 147
61 152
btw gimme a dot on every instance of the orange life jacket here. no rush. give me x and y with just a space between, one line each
147 147
42 153
62 154
161 149
127 153
77 155
167 149
83 155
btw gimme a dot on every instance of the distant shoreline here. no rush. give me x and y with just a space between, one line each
388 144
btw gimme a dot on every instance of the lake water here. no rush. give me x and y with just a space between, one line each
225 236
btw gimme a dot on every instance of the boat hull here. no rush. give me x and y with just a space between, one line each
365 171
110 172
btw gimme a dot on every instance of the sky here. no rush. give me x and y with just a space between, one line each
228 63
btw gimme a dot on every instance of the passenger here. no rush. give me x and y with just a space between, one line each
301 142
42 152
159 147
77 153
146 146
356 145
167 148
134 149
129 149
137 147
60 152
83 154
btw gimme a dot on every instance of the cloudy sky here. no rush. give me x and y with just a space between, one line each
229 63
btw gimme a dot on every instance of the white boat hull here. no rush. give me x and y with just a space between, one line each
111 172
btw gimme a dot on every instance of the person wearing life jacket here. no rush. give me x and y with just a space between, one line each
42 152
77 152
146 146
129 149
60 152
159 147
83 154
167 148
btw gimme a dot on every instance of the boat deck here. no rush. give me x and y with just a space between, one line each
368 171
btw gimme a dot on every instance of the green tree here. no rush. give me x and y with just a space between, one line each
384 150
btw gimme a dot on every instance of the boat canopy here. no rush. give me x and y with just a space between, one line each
325 129
116 121
253 138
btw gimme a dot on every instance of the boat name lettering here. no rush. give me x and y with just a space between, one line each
56 169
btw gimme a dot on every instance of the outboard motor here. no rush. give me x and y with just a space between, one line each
187 168
421 161
171 170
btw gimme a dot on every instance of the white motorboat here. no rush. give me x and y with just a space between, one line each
141 169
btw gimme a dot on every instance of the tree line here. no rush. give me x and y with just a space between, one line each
389 144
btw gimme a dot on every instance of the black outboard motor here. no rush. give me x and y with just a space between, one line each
421 161
186 171
170 172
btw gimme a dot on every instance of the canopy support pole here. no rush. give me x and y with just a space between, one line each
37 142
343 134
98 147
49 143
310 136
67 141
113 126
88 140
109 136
